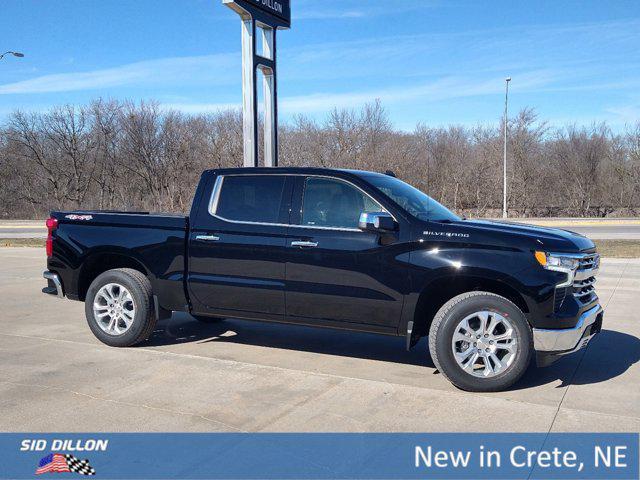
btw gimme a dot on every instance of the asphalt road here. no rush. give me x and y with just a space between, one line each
246 376
22 229
631 232
597 229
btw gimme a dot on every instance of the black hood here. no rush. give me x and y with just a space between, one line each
522 235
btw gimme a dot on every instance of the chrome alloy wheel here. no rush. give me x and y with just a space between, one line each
484 344
114 309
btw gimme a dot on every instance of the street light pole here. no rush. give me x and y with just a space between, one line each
15 54
504 183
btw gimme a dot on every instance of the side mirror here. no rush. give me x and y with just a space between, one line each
377 222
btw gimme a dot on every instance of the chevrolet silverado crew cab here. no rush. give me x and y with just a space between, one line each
343 249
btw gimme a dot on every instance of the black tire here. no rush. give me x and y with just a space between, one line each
203 319
144 318
444 325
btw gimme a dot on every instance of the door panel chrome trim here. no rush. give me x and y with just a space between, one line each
304 244
207 238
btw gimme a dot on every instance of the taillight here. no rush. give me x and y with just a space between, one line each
52 224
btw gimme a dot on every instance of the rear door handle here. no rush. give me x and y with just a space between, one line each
304 244
207 238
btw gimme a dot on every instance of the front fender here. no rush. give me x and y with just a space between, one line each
445 270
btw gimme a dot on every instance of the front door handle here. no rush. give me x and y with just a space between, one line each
207 238
304 244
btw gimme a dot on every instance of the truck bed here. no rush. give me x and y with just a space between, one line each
116 217
156 242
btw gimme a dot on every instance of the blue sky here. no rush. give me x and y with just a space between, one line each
431 61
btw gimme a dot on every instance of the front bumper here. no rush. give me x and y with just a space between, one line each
54 285
550 344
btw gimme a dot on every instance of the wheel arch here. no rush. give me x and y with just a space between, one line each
435 294
100 262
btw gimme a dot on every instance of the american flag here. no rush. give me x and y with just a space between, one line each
54 462
60 463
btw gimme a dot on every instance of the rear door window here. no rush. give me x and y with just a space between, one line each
249 198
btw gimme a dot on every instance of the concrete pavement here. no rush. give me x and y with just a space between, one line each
247 376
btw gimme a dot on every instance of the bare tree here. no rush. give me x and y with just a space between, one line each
123 155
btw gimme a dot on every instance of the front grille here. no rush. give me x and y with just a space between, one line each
585 278
585 290
589 262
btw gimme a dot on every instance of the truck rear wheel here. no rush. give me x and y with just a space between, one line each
481 342
119 307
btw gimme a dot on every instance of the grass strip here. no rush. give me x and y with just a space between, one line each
618 248
22 242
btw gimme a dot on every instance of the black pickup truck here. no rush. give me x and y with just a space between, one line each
344 249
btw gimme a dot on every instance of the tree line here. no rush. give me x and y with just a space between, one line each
117 155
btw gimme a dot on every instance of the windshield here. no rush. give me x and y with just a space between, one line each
414 201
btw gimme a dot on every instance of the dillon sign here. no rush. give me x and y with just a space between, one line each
280 9
263 18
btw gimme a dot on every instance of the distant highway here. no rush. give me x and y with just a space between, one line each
607 232
597 229
22 229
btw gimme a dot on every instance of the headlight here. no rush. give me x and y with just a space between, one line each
559 263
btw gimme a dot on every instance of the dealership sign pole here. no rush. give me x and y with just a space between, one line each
267 16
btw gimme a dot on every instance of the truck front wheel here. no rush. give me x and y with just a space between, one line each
119 307
480 342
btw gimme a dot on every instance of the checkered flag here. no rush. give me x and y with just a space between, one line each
79 466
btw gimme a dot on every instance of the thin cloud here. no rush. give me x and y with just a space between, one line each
438 90
356 58
476 52
314 78
625 114
214 69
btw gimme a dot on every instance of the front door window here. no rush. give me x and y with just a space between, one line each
333 203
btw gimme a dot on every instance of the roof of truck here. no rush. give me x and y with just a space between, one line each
293 170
